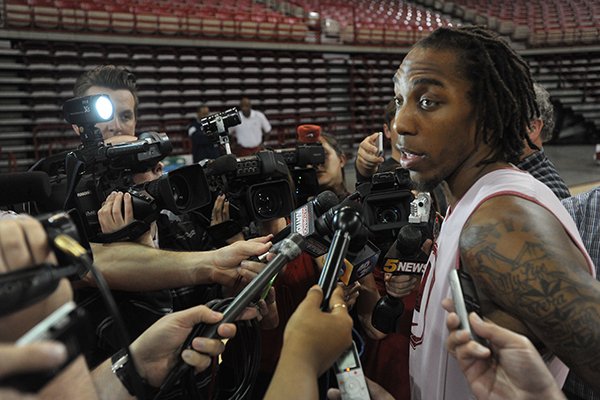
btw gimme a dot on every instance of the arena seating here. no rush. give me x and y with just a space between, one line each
343 90
539 22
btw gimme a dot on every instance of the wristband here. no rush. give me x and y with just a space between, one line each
124 369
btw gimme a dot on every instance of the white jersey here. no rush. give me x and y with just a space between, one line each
434 374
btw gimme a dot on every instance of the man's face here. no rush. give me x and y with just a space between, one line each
245 107
435 119
124 121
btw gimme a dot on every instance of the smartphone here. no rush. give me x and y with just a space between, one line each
380 144
465 300
350 376
69 325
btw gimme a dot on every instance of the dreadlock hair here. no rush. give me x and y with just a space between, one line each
502 88
107 76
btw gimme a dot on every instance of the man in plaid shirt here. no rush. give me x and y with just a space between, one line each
535 162
585 210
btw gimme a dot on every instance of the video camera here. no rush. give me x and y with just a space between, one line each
257 186
86 176
386 203
302 160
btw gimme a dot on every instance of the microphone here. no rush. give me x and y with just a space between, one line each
308 133
347 224
22 187
303 217
285 251
22 288
405 257
221 165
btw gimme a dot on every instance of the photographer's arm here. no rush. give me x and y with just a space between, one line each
134 267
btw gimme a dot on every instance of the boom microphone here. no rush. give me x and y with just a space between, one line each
22 187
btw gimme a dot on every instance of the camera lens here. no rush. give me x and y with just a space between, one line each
181 192
388 215
267 203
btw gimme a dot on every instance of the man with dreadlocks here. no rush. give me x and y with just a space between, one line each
464 101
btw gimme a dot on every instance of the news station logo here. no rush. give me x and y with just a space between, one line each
394 265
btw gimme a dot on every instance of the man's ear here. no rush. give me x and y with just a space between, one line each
386 132
158 168
75 129
536 131
343 160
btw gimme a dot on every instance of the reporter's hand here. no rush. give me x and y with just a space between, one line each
517 372
155 351
33 357
318 338
227 261
367 159
220 213
116 213
400 285
351 293
23 243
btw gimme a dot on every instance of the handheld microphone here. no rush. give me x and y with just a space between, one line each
22 187
303 217
285 251
347 224
404 257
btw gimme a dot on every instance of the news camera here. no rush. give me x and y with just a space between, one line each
302 160
257 186
386 203
83 178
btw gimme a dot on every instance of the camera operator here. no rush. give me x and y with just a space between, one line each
131 266
23 243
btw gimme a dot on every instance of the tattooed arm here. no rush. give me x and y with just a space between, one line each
523 261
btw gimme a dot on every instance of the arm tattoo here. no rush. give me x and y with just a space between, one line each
538 278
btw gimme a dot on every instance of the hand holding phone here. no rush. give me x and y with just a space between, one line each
380 144
465 300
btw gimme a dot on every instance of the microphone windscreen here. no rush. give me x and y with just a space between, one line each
21 187
221 165
308 133
324 201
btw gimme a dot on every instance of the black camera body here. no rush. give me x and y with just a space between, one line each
301 161
386 205
257 187
82 179
217 125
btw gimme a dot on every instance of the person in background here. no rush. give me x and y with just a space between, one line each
202 146
250 133
331 174
534 160
585 211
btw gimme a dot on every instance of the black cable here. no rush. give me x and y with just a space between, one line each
245 349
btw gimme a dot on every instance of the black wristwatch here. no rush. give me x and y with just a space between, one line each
124 369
